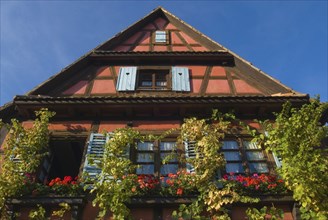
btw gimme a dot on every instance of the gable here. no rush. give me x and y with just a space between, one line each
203 80
144 39
212 69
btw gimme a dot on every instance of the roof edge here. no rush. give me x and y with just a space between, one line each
233 53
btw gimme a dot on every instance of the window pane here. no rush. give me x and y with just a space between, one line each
167 146
258 167
257 155
146 83
145 157
145 169
160 36
232 156
251 145
230 145
161 83
145 146
169 168
172 159
234 168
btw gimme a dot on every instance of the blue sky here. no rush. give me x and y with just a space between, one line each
285 39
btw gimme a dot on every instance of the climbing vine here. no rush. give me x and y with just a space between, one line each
208 136
23 151
118 183
297 137
113 189
265 213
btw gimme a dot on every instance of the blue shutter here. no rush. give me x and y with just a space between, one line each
46 165
94 155
180 79
190 152
127 79
277 159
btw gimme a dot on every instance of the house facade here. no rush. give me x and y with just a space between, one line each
150 77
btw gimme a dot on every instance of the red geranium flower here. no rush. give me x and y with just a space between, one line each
179 191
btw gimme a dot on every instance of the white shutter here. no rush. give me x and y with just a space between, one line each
127 79
180 79
190 152
277 158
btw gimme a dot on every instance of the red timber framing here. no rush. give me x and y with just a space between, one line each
150 77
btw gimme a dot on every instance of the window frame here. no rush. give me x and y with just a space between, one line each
46 166
153 72
167 37
157 159
244 160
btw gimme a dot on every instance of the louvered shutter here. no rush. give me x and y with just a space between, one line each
16 158
277 158
180 79
94 155
127 79
18 163
190 152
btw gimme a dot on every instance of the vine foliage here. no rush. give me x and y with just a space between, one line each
297 137
23 150
117 183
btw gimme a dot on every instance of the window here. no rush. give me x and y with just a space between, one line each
244 157
153 80
150 155
161 37
64 159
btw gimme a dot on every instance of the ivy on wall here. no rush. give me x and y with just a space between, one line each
297 137
117 183
23 151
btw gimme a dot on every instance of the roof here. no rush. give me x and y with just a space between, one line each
141 99
214 70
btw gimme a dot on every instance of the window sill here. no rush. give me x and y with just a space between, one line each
187 199
156 200
46 200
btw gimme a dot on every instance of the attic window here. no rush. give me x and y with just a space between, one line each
161 37
149 79
153 79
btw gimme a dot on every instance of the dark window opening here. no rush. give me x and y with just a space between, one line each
153 80
64 159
